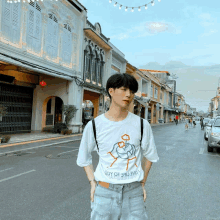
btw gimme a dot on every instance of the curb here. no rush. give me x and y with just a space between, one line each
38 140
5 153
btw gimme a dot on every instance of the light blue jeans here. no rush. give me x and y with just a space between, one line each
119 202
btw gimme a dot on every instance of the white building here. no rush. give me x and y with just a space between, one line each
40 43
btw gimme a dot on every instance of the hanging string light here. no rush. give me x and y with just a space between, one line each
28 1
152 2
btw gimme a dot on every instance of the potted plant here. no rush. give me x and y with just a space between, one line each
69 112
3 112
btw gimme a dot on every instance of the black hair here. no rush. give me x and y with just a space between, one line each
121 80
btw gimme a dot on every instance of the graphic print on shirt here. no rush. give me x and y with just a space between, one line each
123 150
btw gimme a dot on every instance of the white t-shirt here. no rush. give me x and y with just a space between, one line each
120 154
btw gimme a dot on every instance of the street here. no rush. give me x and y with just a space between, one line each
45 183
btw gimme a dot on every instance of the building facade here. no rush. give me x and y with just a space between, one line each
41 45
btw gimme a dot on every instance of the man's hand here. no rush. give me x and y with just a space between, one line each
144 191
93 186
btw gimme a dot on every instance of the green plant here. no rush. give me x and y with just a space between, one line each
5 139
69 111
58 127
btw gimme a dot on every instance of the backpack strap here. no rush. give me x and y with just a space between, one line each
141 128
94 131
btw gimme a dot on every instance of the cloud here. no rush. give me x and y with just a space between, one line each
147 29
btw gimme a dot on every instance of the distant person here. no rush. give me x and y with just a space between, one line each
194 122
176 121
201 123
186 125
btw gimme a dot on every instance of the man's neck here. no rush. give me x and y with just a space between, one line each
114 115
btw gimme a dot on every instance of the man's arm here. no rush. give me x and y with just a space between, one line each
90 173
146 165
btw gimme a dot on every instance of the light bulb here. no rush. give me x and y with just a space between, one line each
120 6
145 6
152 3
159 0
110 1
132 10
126 8
115 4
139 9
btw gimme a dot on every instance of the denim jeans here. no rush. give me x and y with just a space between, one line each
119 202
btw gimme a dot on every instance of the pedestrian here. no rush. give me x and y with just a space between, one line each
194 122
186 125
201 123
176 121
117 185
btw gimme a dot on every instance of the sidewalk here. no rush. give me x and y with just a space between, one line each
20 142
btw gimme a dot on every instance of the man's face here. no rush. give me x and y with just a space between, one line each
119 95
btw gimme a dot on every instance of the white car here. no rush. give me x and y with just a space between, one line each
214 135
208 129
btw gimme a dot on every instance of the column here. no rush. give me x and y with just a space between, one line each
161 112
167 120
146 112
157 116
152 113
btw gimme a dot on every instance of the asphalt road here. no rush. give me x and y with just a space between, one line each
46 184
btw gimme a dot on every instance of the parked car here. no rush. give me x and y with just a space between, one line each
206 121
208 128
214 135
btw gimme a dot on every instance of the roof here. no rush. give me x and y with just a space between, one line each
155 71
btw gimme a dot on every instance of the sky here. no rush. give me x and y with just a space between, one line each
181 36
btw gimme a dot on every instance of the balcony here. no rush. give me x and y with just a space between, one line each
144 94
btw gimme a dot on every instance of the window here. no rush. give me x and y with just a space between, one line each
151 90
66 44
155 92
11 14
49 107
52 36
34 27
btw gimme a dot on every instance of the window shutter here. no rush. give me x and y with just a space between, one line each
37 28
67 45
30 21
52 36
6 24
15 23
49 37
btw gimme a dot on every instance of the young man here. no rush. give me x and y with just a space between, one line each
117 186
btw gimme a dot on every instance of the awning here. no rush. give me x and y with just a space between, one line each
35 67
97 39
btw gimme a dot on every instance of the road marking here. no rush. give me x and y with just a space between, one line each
16 175
201 150
47 145
6 169
67 152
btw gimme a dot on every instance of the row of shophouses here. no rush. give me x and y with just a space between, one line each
52 55
214 105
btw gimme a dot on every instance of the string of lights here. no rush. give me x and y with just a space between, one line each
17 1
132 8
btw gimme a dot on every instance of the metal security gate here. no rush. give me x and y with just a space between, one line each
18 101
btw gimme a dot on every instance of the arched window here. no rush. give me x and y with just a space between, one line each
52 36
67 44
93 66
101 70
11 14
87 62
34 20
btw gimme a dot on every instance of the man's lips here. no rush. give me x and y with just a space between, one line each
126 101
